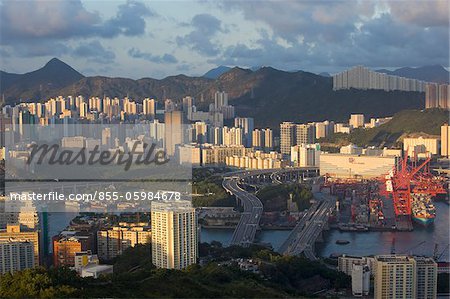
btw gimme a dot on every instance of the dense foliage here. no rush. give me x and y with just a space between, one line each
207 189
135 277
274 198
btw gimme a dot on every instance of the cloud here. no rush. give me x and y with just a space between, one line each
200 40
423 13
129 20
43 19
166 58
94 51
340 33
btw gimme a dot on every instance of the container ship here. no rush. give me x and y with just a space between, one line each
423 211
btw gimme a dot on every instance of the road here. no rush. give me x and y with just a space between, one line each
304 235
245 231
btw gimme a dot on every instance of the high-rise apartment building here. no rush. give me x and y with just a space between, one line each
174 234
360 280
444 95
287 137
232 136
437 96
220 100
188 104
247 125
257 138
305 133
360 77
14 233
305 155
174 131
268 138
16 256
149 107
395 277
445 140
426 278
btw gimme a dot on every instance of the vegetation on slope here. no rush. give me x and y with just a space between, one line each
280 277
404 122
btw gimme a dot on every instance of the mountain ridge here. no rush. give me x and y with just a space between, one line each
428 73
267 94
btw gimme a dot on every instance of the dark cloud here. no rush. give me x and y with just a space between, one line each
200 39
25 21
94 51
341 33
166 58
129 20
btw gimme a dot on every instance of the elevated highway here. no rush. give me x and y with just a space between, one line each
303 237
245 232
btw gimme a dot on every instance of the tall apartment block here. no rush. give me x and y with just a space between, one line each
426 278
398 276
247 126
287 137
305 133
395 277
14 233
360 77
173 131
437 96
174 234
16 256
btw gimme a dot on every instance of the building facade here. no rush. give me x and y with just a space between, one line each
395 277
16 256
113 241
174 234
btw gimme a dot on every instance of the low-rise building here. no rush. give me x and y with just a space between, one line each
351 166
421 146
112 241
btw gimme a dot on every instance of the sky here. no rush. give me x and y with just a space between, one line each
137 39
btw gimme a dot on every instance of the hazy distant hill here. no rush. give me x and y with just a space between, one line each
216 72
267 94
325 74
429 73
51 77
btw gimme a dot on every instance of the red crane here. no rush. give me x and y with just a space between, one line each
407 178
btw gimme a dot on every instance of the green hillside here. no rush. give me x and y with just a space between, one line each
426 121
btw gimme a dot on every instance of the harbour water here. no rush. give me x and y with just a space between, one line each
366 243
